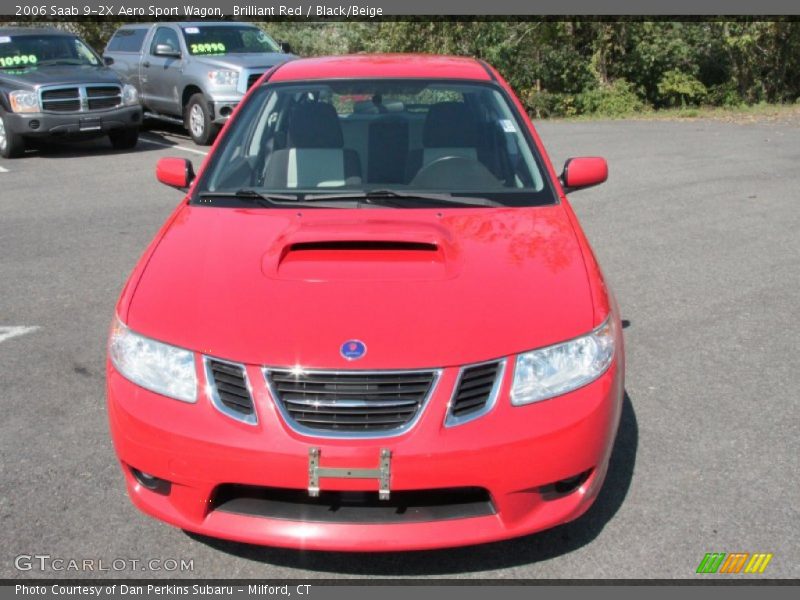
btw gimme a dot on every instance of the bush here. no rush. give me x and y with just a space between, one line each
616 99
679 89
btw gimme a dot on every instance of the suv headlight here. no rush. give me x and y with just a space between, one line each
224 78
130 97
156 366
24 101
562 368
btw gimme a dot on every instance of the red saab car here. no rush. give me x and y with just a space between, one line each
374 322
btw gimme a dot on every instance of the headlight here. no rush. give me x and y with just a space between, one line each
130 96
224 78
23 101
558 369
159 367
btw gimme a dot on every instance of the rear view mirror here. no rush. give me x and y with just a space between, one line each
583 172
108 61
175 172
166 50
286 48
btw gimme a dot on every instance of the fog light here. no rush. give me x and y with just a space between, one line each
151 482
563 487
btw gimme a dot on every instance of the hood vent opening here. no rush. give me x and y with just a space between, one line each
364 245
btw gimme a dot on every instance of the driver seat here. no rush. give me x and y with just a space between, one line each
449 130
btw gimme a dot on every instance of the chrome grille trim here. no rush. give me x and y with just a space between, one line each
435 375
452 420
85 94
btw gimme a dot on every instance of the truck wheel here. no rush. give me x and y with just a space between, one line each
12 145
124 139
198 121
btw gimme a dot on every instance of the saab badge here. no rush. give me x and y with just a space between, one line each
353 349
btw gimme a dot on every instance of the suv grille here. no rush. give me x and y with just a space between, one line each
333 402
230 390
476 387
80 98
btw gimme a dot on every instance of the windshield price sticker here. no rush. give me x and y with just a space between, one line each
192 30
209 48
18 61
4 39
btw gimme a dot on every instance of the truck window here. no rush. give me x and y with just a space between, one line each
165 35
127 40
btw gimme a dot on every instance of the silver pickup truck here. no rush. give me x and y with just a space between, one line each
192 73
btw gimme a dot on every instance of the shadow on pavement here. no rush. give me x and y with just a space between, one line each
499 555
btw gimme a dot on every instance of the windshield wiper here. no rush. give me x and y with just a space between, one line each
391 197
266 199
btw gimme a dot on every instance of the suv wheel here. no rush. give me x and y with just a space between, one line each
12 145
124 139
198 121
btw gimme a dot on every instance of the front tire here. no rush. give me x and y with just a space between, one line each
124 139
198 121
12 145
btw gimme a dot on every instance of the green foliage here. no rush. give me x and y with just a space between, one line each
614 99
679 89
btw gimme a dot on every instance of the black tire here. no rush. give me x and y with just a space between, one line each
124 139
12 145
197 120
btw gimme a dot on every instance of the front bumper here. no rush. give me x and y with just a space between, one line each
514 453
32 125
222 109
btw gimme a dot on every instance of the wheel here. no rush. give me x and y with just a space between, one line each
198 121
12 145
124 139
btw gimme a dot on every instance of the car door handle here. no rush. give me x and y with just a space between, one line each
145 64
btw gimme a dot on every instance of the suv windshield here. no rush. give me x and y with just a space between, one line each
218 40
402 141
22 51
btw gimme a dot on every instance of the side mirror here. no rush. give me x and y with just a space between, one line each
166 50
286 48
108 61
175 172
584 172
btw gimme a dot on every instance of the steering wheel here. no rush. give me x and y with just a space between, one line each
455 172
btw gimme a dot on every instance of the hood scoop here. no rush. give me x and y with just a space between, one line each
379 253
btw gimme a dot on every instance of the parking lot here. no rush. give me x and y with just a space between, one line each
698 231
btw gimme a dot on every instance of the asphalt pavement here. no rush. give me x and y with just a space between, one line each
698 232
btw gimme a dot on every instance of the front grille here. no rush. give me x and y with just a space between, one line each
80 98
229 389
61 100
415 506
475 389
251 81
344 402
103 96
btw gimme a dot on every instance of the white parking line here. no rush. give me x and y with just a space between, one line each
176 146
3 170
6 333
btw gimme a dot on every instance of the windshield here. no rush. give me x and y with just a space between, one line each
381 138
218 40
22 51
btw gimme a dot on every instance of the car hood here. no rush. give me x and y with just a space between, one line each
248 61
59 75
421 288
